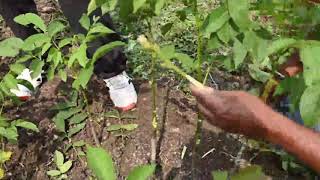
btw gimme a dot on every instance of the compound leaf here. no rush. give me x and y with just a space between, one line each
55 27
215 20
25 124
142 172
31 18
10 47
100 162
58 158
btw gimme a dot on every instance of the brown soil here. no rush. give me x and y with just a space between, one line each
33 155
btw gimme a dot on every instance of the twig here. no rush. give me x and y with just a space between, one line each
239 155
154 111
183 153
207 153
197 137
93 132
216 86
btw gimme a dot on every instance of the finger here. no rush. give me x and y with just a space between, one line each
201 93
207 114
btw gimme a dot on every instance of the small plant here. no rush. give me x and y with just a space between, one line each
120 129
251 172
100 162
9 129
76 146
71 116
119 115
4 156
62 167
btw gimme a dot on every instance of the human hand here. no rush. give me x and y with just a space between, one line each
292 66
234 111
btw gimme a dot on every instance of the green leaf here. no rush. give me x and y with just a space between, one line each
64 105
103 50
45 48
127 127
60 118
240 53
220 175
30 18
63 176
108 6
54 55
57 58
10 81
4 122
76 129
78 118
256 45
167 52
51 72
35 41
226 33
81 153
100 162
65 42
17 68
228 63
24 58
280 44
36 68
252 172
94 4
10 47
100 28
239 12
79 143
81 55
142 172
5 156
83 78
85 21
63 75
112 114
166 28
310 58
158 6
214 43
53 173
10 133
309 106
58 158
65 167
126 9
97 31
55 27
25 124
258 74
4 88
137 4
294 87
186 61
26 83
215 20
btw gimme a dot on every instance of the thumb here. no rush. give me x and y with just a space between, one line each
201 93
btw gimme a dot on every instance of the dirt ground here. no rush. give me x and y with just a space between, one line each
33 155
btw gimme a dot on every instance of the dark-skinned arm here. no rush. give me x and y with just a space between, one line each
302 142
240 112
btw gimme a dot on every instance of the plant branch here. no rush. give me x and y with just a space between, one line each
93 132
